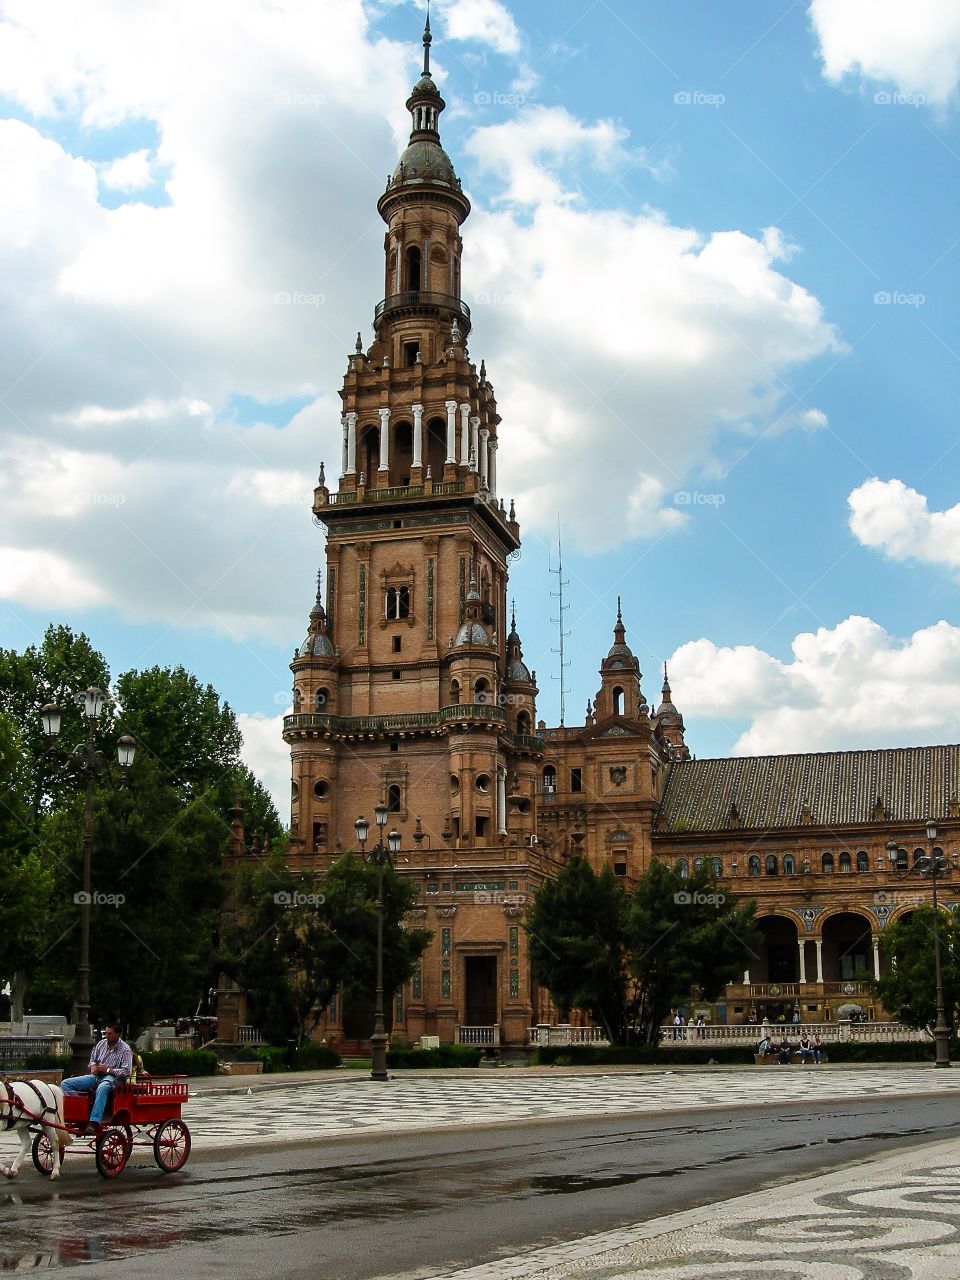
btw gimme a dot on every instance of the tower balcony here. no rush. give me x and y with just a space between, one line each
461 715
418 301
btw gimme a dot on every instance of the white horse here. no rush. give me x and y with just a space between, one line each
33 1102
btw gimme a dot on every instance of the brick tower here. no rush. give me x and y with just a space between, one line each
408 688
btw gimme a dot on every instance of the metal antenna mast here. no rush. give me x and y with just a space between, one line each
561 610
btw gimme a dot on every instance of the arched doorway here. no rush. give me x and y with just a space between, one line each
847 948
779 959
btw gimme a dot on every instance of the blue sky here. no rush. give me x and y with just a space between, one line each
713 266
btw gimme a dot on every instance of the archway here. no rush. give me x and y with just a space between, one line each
847 948
779 959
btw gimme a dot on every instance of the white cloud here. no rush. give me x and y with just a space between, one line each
892 518
848 687
131 172
914 46
623 348
44 580
267 756
484 21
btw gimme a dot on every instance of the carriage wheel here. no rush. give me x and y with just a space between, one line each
43 1156
112 1152
171 1145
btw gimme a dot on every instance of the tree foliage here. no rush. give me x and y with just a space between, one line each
298 940
627 958
908 987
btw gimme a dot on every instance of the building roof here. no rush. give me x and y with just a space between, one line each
837 787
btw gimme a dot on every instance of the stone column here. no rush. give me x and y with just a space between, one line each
343 449
818 943
417 434
803 960
876 957
501 800
464 434
351 443
385 440
746 977
492 465
475 441
484 447
451 430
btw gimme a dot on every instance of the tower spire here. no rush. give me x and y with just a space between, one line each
427 41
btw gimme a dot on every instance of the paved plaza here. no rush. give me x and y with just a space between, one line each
423 1101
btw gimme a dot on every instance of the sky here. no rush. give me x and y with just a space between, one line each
713 264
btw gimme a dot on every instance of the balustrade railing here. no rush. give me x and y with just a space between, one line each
542 1034
461 711
843 1030
420 298
485 1037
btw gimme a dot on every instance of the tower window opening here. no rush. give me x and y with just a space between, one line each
618 701
397 603
455 692
620 863
393 797
753 866
827 864
770 865
394 746
576 779
297 700
482 827
549 779
481 691
413 269
322 699
863 862
523 722
397 641
411 352
845 862
789 867
395 674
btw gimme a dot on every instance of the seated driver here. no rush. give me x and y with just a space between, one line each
110 1064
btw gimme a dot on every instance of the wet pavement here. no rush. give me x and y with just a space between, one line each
436 1201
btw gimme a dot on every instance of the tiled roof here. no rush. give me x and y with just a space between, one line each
913 783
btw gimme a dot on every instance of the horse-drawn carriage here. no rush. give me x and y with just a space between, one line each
145 1114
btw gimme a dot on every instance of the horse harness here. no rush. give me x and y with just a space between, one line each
14 1103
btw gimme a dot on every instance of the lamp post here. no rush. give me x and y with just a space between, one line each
381 855
90 762
933 864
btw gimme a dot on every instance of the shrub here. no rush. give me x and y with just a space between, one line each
448 1055
580 1055
316 1057
181 1062
274 1058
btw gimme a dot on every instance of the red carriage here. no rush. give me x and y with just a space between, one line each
145 1114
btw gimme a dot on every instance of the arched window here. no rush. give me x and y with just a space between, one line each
413 269
397 603
618 701
523 722
753 866
770 867
697 865
863 862
716 866
322 699
845 864
789 867
549 779
455 692
681 868
393 797
918 854
826 864
481 691
297 700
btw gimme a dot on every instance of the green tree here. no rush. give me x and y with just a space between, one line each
908 987
577 928
627 958
27 879
299 939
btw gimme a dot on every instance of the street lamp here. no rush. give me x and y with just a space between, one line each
933 864
90 762
381 855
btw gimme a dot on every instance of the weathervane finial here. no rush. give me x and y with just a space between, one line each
427 41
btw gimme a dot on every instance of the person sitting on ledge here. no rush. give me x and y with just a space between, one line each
784 1052
110 1064
805 1049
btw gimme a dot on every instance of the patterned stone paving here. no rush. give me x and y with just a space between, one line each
333 1108
895 1218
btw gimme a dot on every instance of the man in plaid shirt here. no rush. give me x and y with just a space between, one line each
110 1064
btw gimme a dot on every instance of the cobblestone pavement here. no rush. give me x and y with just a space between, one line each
335 1107
894 1218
